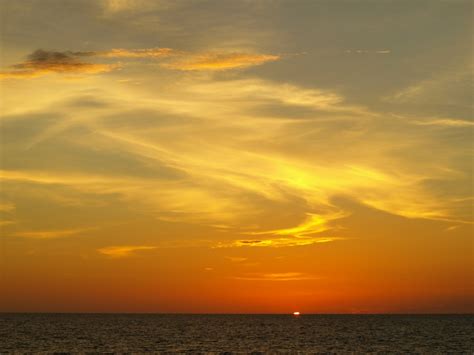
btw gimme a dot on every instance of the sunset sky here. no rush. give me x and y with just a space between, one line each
236 156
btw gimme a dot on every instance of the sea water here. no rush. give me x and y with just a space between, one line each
236 333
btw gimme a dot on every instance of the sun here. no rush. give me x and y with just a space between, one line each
296 313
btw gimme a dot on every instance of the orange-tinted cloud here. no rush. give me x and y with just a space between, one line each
136 53
278 242
42 62
220 61
50 234
6 207
123 250
235 259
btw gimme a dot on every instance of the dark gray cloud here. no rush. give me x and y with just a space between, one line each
42 62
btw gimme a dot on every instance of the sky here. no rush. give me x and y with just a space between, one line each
243 156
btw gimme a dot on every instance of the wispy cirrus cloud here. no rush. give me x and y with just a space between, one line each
225 178
277 242
451 86
445 122
123 250
368 51
120 7
303 234
6 207
51 234
237 161
314 223
6 223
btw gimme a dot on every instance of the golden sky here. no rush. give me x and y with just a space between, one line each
236 156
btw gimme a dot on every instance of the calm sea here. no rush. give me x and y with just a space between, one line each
236 333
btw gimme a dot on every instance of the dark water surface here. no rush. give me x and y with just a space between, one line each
236 333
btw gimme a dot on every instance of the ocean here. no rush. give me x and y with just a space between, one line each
140 333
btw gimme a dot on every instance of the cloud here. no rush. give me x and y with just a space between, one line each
171 200
367 51
51 234
277 242
123 250
137 53
235 163
314 223
220 61
6 207
59 62
235 93
6 223
300 235
450 87
283 276
445 122
42 62
114 6
20 74
240 166
45 177
235 259
120 7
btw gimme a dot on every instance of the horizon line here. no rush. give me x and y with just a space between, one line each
254 314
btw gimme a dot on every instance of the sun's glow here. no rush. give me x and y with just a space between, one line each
296 313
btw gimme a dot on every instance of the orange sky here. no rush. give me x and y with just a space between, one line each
236 157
